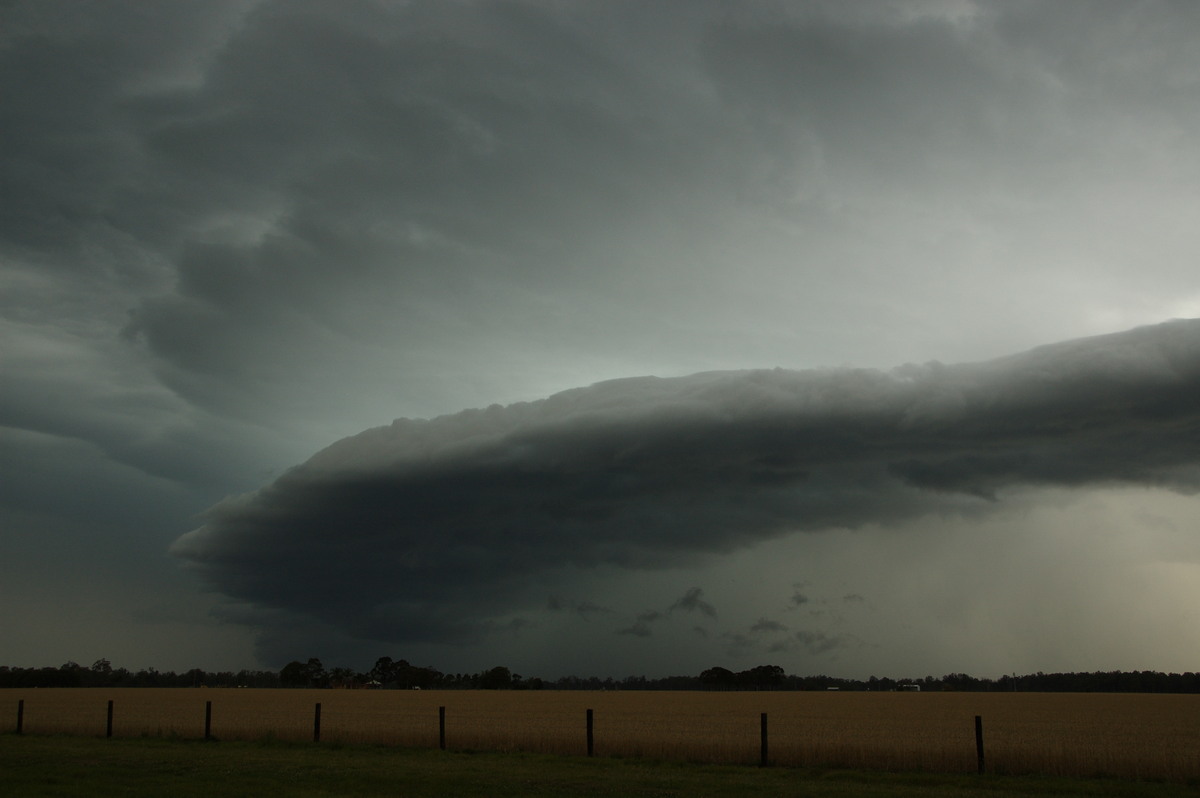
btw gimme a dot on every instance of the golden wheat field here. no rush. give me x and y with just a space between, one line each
1127 735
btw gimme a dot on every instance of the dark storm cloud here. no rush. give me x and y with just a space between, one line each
75 178
431 530
232 231
277 184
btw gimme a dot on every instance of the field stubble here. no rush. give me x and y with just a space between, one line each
1126 735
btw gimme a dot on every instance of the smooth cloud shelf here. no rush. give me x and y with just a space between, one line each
434 530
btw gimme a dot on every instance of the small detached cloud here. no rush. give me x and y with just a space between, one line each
693 601
434 530
641 627
820 642
765 625
584 609
738 644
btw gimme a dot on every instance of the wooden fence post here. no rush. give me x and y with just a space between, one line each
207 720
590 738
979 740
762 762
20 715
108 726
317 723
442 728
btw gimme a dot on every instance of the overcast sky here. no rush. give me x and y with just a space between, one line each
603 338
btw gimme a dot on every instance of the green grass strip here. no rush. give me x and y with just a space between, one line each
32 766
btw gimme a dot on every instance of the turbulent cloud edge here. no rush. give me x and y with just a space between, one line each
426 529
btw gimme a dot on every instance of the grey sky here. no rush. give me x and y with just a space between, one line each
234 234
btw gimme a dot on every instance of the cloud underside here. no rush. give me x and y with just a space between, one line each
434 530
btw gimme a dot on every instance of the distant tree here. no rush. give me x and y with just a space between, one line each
426 678
717 678
401 673
498 678
147 677
317 677
763 677
249 678
293 675
342 677
383 671
72 674
304 674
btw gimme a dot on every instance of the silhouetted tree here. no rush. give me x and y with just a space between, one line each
717 678
498 678
304 674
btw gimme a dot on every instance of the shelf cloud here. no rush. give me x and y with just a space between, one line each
434 530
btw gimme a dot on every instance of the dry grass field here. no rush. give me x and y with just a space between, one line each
1149 736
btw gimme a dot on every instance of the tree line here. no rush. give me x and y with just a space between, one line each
388 673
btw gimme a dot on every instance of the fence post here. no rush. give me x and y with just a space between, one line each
20 715
442 728
317 723
979 740
207 720
108 726
590 738
762 762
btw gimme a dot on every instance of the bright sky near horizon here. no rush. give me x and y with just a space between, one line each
238 237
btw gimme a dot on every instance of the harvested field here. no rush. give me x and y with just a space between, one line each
1129 735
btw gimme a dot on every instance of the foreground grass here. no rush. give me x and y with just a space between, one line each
32 765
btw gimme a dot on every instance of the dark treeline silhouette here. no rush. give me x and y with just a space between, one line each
387 673
103 674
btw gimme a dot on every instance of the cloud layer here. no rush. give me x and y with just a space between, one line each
434 530
233 231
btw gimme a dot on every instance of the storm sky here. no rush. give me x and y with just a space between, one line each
603 338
